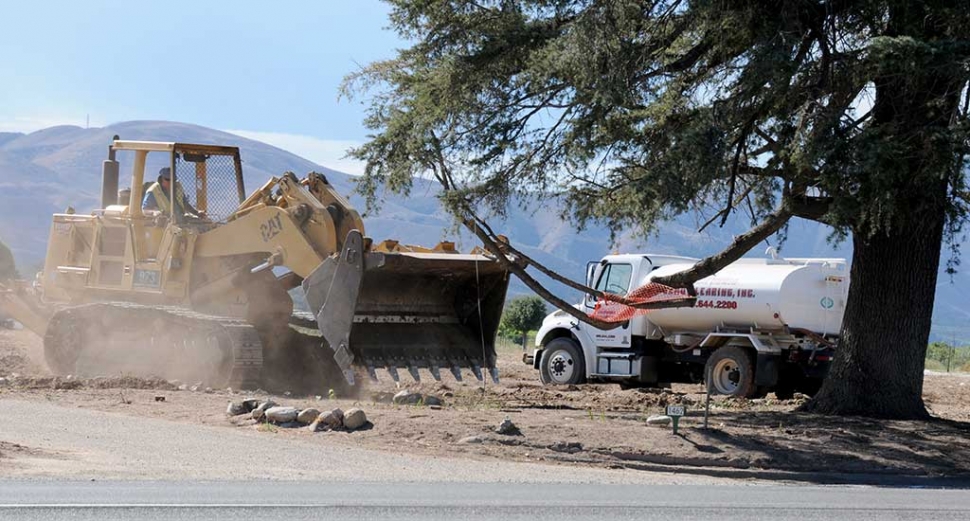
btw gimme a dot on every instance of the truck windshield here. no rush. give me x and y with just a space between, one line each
615 278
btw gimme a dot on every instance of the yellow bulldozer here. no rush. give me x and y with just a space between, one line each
204 295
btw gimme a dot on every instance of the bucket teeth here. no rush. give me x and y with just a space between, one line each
414 373
436 373
477 369
493 372
456 371
393 372
372 373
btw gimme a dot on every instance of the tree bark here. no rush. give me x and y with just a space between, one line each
878 365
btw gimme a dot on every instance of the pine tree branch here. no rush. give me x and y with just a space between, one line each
527 279
808 207
741 245
501 249
484 232
526 260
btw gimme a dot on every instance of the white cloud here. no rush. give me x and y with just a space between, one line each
326 152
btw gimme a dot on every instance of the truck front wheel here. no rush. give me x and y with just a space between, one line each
730 371
562 363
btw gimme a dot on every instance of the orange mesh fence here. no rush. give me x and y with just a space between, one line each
614 308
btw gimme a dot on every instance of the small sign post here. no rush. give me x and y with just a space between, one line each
675 412
707 404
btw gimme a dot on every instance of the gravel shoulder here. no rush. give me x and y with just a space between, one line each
64 442
114 426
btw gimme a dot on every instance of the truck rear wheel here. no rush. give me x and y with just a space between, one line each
730 371
562 363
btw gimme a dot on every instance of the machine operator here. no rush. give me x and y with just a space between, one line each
157 197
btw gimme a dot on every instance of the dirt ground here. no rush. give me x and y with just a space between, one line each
599 425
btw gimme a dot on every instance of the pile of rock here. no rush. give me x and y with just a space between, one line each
271 412
336 420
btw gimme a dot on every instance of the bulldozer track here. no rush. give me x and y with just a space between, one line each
160 332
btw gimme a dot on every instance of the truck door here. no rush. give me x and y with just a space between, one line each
614 278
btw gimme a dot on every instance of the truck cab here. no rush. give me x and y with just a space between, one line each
758 325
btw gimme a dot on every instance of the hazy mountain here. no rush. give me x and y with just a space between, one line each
45 171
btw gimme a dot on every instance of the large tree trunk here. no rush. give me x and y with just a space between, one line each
878 368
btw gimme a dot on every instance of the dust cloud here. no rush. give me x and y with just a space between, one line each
156 349
21 352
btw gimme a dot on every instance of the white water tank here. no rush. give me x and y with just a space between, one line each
762 293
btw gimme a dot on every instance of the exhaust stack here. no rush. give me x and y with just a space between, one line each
109 179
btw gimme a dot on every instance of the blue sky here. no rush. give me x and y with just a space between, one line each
267 71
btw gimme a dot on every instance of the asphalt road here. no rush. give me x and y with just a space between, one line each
535 502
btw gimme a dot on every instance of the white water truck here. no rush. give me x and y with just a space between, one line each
758 326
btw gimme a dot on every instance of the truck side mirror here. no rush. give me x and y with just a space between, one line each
590 271
588 300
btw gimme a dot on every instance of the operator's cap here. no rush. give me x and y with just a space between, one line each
165 172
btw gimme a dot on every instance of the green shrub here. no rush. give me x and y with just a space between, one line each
946 355
522 315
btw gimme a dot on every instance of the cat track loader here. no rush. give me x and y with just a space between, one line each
201 292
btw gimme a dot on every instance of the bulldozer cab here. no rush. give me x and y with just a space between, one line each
125 247
207 178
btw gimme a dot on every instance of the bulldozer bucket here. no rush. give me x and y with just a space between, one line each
408 310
